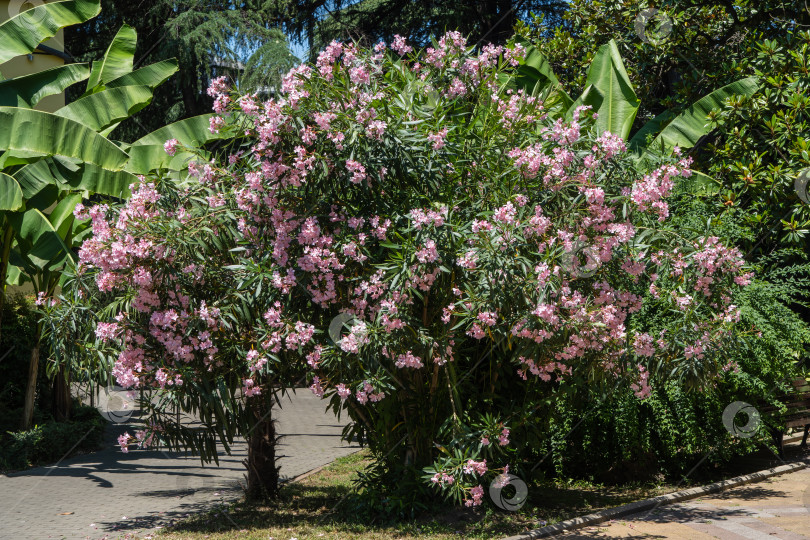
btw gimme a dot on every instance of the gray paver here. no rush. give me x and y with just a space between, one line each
110 493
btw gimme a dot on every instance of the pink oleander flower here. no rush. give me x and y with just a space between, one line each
409 360
249 388
123 442
438 139
400 46
170 146
107 331
477 495
475 467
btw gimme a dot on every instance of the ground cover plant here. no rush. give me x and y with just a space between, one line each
438 256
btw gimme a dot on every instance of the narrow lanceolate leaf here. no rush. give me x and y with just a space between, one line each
28 90
151 76
192 132
22 33
103 109
11 197
31 133
118 59
692 124
619 102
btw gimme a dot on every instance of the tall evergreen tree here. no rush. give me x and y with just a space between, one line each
238 38
317 22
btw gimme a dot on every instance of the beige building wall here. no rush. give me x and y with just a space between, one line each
32 63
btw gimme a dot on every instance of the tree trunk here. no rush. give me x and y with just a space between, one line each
61 396
31 388
262 473
5 250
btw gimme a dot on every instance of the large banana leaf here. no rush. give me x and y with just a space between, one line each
84 177
37 240
590 96
535 76
31 134
145 158
117 61
692 124
103 109
61 217
151 76
191 132
619 102
147 153
22 33
11 197
26 91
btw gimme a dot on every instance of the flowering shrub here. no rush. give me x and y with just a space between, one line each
436 252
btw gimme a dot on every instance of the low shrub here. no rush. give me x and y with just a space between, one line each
51 441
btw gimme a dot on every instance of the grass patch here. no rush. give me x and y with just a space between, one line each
321 506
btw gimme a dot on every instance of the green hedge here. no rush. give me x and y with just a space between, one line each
51 441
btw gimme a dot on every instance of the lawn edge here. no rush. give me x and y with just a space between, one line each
654 502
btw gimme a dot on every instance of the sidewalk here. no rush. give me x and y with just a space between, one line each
776 508
113 493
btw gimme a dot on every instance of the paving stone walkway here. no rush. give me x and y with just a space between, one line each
776 508
108 494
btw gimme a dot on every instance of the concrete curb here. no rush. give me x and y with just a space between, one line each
651 504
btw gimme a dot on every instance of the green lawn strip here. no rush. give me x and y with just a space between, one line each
320 506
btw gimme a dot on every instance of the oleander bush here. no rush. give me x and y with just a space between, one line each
440 258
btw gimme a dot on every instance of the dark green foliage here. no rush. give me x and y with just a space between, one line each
624 439
51 441
690 50
372 20
17 338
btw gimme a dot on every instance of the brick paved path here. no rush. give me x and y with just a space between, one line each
112 493
777 508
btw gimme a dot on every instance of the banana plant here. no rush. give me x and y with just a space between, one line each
49 161
610 93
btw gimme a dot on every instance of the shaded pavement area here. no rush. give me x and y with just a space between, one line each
776 508
110 493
